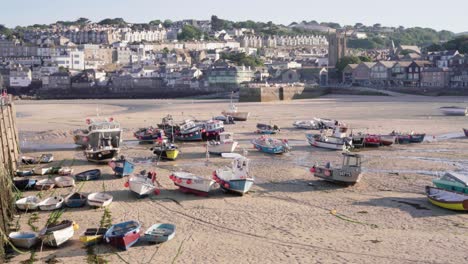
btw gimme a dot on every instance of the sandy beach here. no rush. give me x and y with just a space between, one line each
286 218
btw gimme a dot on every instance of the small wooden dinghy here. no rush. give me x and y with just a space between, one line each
51 203
28 203
93 236
159 233
64 181
447 199
88 175
65 171
44 158
99 199
141 185
453 181
123 235
45 184
267 129
56 234
23 239
24 184
271 145
75 200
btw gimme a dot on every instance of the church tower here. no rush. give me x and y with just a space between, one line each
336 47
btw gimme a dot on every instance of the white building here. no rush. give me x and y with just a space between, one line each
73 60
20 76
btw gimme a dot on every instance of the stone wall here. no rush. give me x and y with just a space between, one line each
278 93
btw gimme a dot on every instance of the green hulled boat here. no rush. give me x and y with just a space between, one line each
453 181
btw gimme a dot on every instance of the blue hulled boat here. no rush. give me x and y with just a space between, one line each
236 178
123 235
189 131
122 167
417 138
271 146
267 129
453 181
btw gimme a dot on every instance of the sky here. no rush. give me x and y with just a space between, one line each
449 14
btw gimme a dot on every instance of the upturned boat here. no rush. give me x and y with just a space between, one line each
226 144
453 181
93 236
270 145
123 235
447 199
99 199
51 203
64 181
267 129
454 111
189 131
23 239
45 184
141 185
159 233
54 235
190 183
28 203
235 113
88 175
75 200
348 174
122 167
236 178
24 184
333 142
149 135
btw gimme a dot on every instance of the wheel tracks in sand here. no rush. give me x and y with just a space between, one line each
280 242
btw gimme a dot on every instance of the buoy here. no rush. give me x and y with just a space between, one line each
189 181
126 184
157 191
179 180
312 170
226 185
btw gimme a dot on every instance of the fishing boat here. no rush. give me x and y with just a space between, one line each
234 112
28 203
212 129
104 141
160 233
23 239
402 139
189 131
64 181
466 132
236 178
168 125
24 184
227 120
93 236
88 175
51 203
417 138
141 185
45 184
454 110
325 123
75 200
99 199
372 141
226 144
335 141
190 183
348 174
55 235
123 235
447 199
270 145
22 173
453 181
267 129
387 140
122 167
149 135
167 151
307 124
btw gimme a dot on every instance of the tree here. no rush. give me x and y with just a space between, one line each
242 59
5 31
216 23
189 33
82 21
113 21
343 62
167 23
155 22
165 50
358 25
365 59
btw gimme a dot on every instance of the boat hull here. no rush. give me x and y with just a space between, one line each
58 237
458 205
99 200
166 233
326 145
23 239
237 116
93 236
142 187
195 136
88 175
28 203
270 149
101 156
50 204
418 138
450 186
168 154
454 111
122 168
338 176
241 186
123 235
227 147
189 183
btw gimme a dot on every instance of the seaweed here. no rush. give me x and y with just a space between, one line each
106 220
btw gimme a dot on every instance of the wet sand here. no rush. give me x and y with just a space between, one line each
287 217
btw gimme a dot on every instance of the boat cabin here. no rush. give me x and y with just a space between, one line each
240 167
187 125
104 126
226 137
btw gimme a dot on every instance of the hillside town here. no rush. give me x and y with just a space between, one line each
191 57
